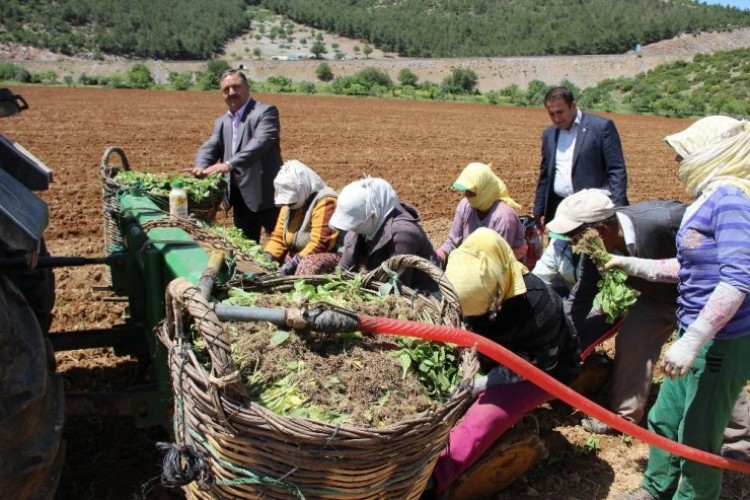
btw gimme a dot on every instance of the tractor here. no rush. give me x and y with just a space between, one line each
141 263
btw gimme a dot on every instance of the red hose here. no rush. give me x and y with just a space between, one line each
502 355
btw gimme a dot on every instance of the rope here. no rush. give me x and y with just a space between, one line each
183 465
249 476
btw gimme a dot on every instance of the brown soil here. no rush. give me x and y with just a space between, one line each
419 147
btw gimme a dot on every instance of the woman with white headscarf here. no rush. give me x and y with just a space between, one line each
707 366
378 227
486 203
302 238
502 301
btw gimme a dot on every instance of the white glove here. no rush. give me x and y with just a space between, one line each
663 270
498 375
719 309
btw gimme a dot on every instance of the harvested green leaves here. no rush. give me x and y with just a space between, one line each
159 184
237 239
614 297
364 380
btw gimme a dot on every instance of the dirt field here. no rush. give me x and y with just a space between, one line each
419 147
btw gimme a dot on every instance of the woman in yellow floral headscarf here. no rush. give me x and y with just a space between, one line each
486 203
502 301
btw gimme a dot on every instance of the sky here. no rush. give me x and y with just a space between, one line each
742 4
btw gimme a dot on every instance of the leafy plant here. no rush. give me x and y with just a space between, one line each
436 365
614 297
237 239
592 444
198 190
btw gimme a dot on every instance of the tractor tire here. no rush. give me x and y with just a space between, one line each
505 462
31 403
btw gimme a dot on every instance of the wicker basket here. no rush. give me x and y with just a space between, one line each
205 210
254 453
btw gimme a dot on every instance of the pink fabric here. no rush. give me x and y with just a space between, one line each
494 412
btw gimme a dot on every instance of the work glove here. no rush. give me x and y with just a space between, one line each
496 376
721 306
290 267
662 270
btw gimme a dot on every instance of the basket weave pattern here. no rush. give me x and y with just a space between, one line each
255 453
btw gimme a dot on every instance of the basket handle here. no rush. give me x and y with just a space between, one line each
106 168
400 262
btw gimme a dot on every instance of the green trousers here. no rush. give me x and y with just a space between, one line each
694 410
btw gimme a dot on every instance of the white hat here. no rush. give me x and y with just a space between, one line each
584 207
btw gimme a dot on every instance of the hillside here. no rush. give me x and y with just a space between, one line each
493 73
198 29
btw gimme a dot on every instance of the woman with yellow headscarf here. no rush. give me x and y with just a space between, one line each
708 365
486 203
502 301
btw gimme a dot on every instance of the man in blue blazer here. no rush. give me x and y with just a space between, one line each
246 146
579 151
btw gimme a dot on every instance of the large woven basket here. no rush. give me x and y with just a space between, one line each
254 453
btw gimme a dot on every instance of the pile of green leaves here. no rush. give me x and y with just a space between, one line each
159 184
237 239
432 366
614 297
436 365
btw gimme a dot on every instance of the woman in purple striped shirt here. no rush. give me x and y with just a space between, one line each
708 365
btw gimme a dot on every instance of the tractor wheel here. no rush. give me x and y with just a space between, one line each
31 403
509 459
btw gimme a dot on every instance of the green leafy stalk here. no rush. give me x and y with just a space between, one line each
614 296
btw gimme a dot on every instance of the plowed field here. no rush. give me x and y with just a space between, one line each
420 147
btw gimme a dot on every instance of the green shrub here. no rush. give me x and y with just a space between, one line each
323 72
180 81
14 72
306 87
461 81
370 77
279 83
407 77
139 77
45 78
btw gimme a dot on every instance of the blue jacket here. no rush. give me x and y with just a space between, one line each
598 162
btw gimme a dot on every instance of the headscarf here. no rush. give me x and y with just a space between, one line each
488 187
715 152
363 206
484 272
294 184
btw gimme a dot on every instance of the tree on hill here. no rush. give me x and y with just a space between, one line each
318 49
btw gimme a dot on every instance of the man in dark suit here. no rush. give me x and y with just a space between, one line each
246 146
579 151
